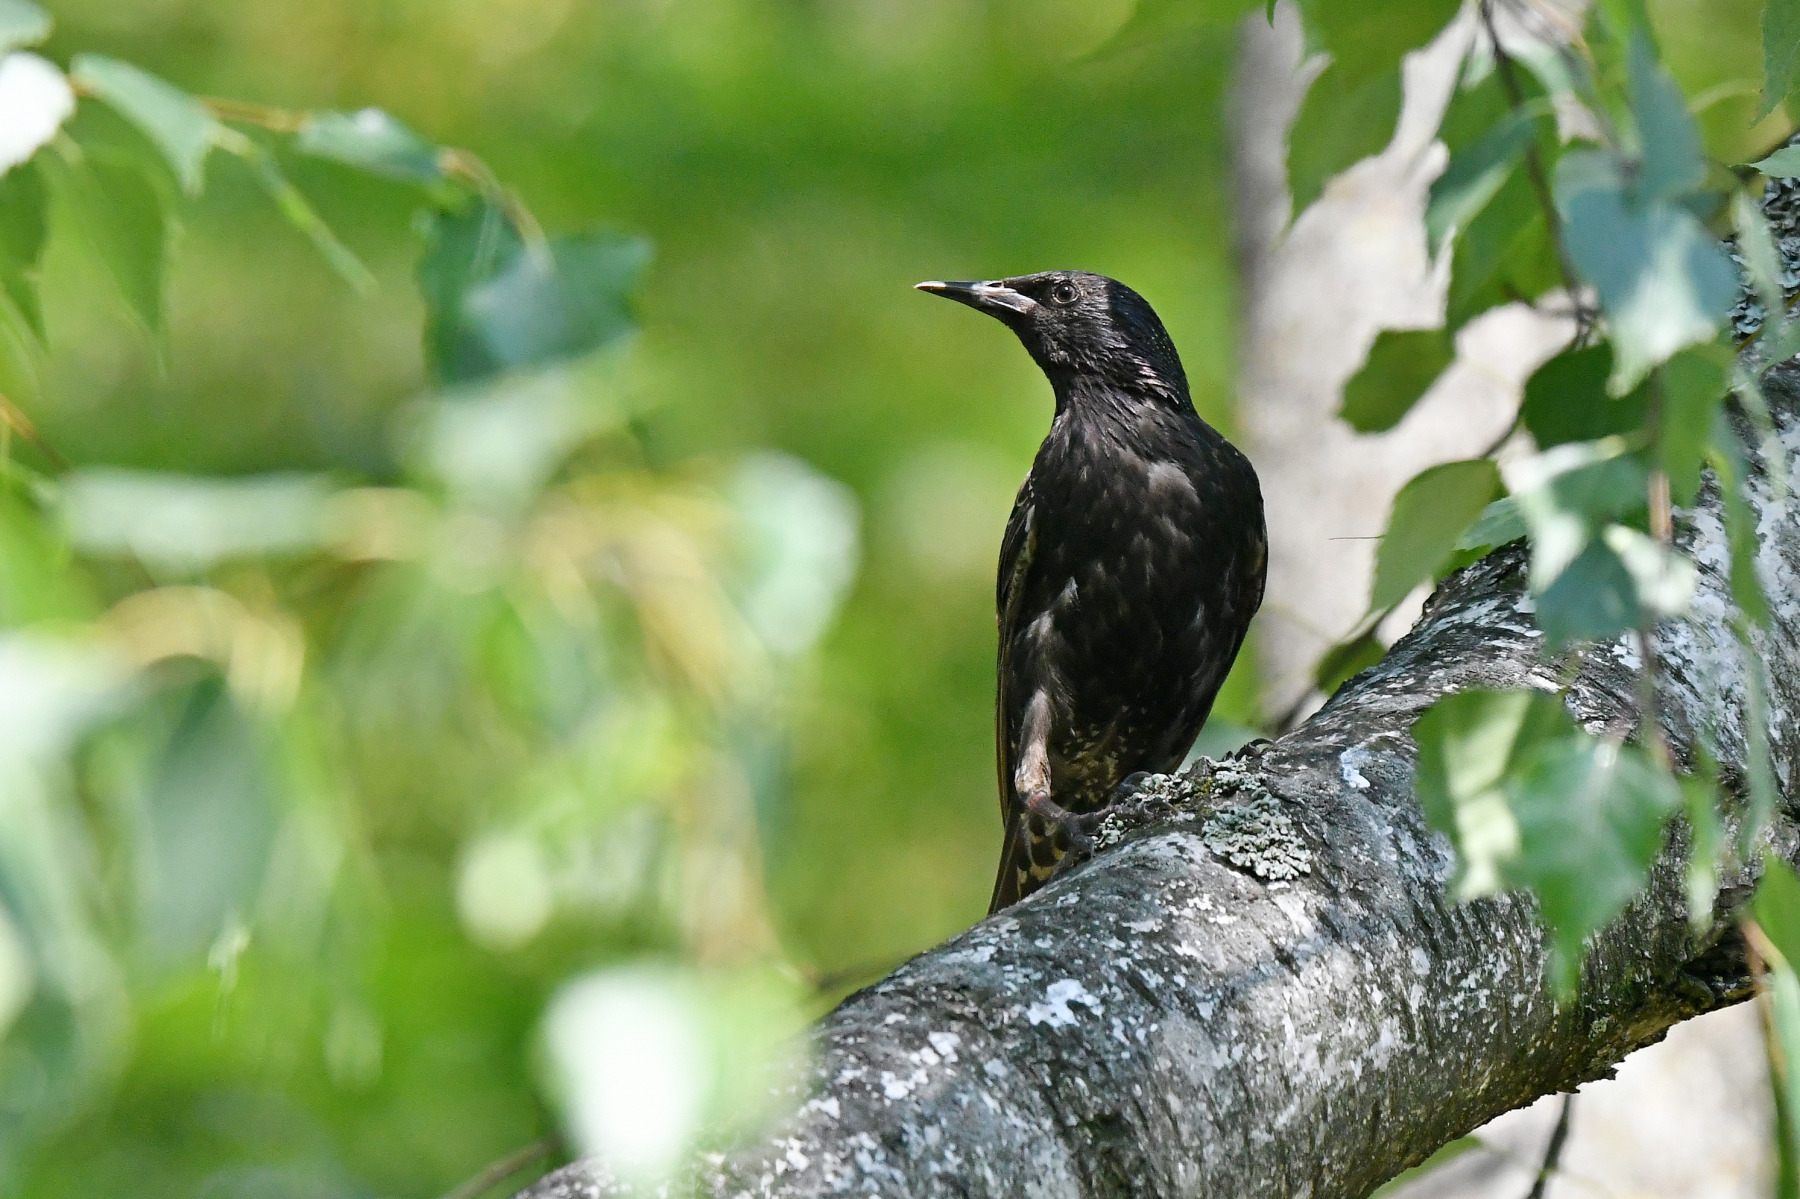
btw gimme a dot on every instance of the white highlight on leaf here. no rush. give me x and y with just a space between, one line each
503 890
632 1068
35 99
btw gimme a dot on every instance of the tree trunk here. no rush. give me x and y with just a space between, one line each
1271 994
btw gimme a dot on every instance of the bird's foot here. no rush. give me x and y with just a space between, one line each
1141 799
1250 750
1076 829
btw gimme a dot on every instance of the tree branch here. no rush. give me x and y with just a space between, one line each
1271 994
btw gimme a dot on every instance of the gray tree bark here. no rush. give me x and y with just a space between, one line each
1269 993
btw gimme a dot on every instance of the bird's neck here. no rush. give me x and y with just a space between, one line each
1104 399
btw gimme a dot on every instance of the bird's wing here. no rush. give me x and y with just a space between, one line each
1017 549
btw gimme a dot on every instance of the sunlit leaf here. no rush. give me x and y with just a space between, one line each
1663 280
1693 387
178 125
500 441
185 524
1429 516
22 228
1777 906
1590 815
22 23
800 548
35 99
1781 53
1568 493
1663 579
1566 400
1475 175
1785 162
1346 660
371 140
1469 743
645 1059
1401 366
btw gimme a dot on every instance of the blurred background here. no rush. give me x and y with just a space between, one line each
367 716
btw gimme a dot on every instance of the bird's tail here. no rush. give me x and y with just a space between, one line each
1014 865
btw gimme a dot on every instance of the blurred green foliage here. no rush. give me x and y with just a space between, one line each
407 636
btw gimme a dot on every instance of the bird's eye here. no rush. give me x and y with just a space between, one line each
1063 293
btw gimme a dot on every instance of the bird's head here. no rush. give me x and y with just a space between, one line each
1077 324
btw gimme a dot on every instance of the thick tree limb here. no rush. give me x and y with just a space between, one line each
1162 1021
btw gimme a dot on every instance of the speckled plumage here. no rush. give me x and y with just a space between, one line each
1130 569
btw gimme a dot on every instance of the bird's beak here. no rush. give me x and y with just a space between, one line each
992 297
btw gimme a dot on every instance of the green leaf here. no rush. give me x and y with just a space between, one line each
293 205
496 304
22 23
1672 162
118 213
1505 254
177 124
1590 816
1475 175
1728 462
1706 841
1401 367
1663 279
1693 387
210 819
1781 53
1784 1069
1346 660
1568 494
1591 598
1785 162
22 228
1777 906
1499 523
1762 262
1469 744
1429 516
373 141
1566 400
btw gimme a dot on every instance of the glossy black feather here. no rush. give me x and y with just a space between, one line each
1131 566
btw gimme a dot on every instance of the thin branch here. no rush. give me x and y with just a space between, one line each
505 1168
1553 1151
15 419
456 163
1540 182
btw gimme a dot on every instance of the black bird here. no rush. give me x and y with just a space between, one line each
1130 569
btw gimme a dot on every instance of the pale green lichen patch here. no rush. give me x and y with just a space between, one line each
1259 836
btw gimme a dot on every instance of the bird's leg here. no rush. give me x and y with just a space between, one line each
1077 829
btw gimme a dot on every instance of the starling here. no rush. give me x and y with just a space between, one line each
1130 569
